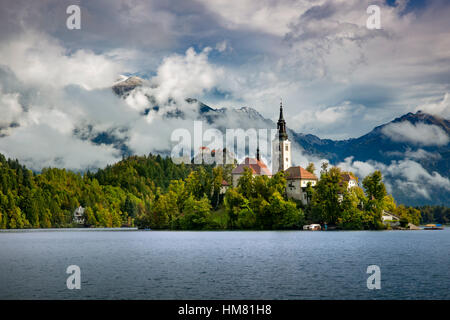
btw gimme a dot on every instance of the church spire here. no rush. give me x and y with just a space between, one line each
281 110
281 125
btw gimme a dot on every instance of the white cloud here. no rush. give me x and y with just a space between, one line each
10 109
272 17
416 154
41 145
57 107
416 178
332 121
182 76
441 108
419 133
223 46
406 175
422 154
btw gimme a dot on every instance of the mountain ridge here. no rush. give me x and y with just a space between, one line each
374 147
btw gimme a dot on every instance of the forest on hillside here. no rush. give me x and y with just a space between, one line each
153 192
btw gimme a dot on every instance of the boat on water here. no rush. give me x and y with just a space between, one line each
312 227
433 227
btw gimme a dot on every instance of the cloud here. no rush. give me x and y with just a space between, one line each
10 110
181 76
406 176
67 124
45 144
331 121
315 54
419 133
223 46
418 154
37 59
272 17
337 79
416 179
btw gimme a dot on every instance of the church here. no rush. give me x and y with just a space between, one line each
297 177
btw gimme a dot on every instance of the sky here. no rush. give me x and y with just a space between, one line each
337 78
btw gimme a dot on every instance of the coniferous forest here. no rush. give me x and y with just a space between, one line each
153 192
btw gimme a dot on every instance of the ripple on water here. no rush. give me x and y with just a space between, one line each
224 265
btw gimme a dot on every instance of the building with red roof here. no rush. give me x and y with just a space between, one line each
350 179
297 181
256 166
297 177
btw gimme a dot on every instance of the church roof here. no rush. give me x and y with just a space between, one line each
299 173
347 177
281 125
256 167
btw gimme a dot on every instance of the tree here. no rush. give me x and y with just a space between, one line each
376 193
164 208
328 196
374 186
245 184
234 201
195 213
130 207
218 177
311 168
284 213
198 184
89 217
407 215
277 183
246 218
30 208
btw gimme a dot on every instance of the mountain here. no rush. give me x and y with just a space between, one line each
417 171
377 146
123 87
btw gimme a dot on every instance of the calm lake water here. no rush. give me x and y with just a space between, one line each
224 265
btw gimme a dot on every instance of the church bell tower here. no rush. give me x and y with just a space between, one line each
281 146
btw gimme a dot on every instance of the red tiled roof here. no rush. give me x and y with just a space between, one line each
256 167
347 177
299 173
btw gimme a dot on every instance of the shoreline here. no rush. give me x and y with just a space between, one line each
168 230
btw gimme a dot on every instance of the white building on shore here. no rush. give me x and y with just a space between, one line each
297 181
78 215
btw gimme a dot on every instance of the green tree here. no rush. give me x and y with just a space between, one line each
195 212
285 213
327 199
234 201
311 168
374 186
245 184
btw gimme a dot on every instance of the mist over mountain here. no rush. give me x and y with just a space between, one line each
412 151
93 128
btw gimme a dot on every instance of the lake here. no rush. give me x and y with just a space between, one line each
118 264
